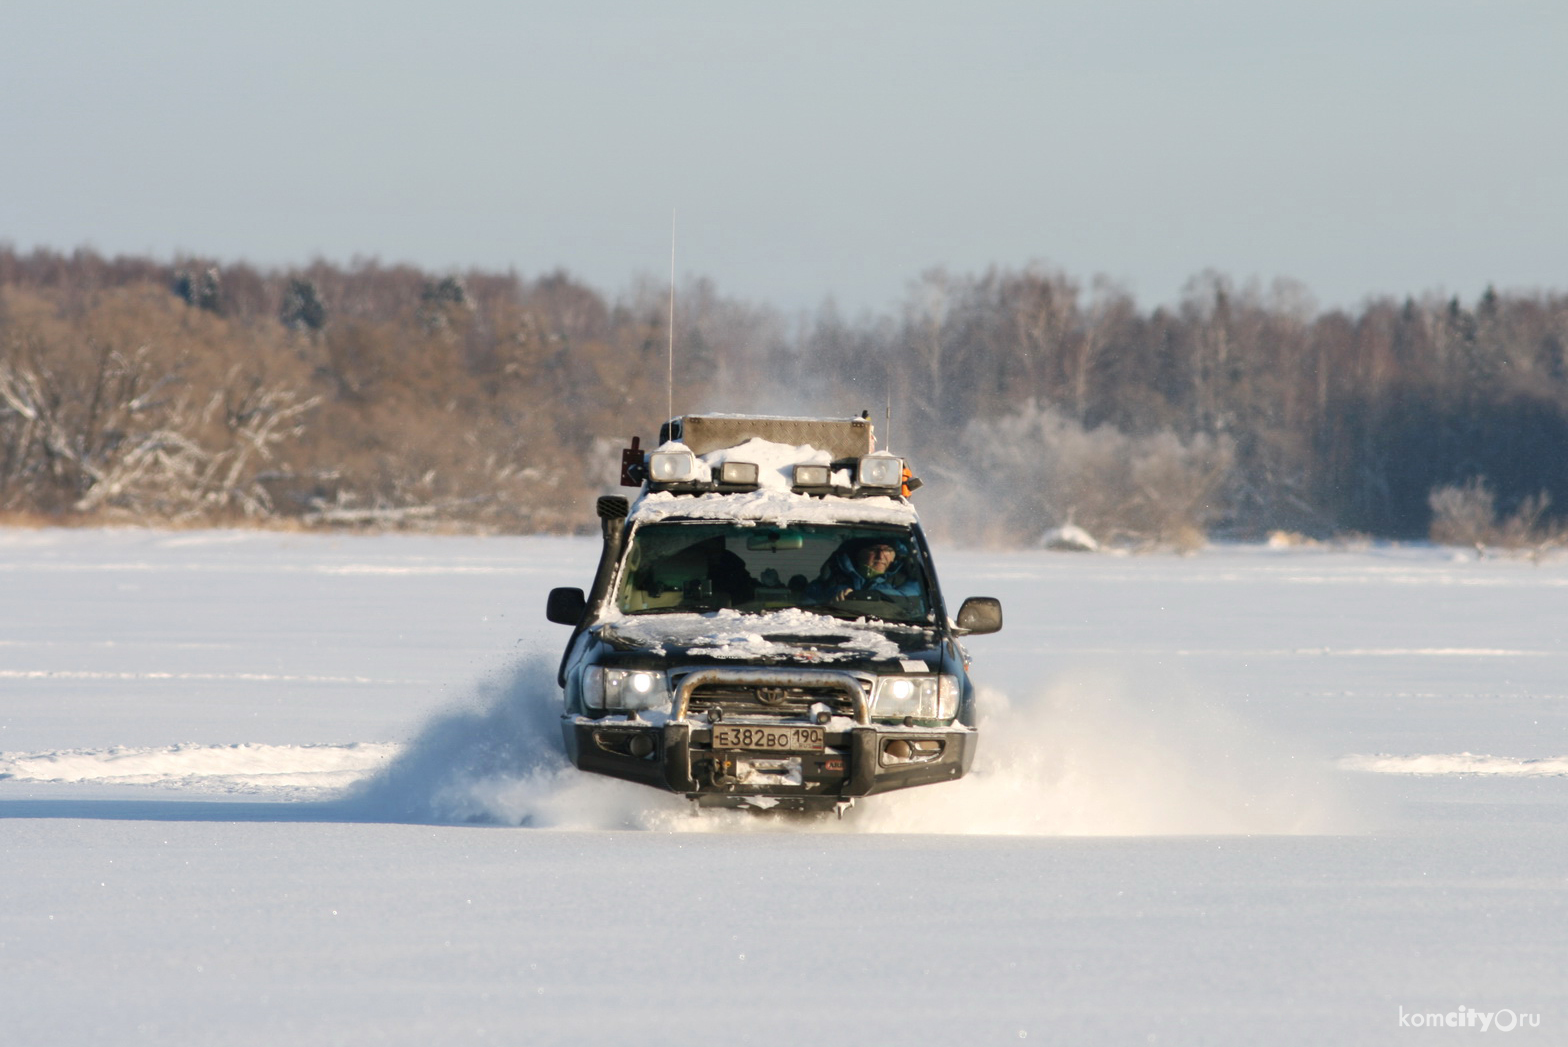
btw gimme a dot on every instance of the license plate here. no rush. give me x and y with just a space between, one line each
767 738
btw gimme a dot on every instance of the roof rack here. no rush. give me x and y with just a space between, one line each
704 433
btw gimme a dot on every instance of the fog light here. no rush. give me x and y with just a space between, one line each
918 750
640 745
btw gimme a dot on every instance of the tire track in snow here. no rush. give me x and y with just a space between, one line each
223 768
1455 763
100 674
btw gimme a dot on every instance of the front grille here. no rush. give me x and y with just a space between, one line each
778 693
783 702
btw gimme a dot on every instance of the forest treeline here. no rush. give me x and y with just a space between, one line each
371 394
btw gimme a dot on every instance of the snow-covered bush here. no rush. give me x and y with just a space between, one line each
132 434
1462 514
1069 538
1466 514
1037 469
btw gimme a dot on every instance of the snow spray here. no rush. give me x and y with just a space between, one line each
1076 757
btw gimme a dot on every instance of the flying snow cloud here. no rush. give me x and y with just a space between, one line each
1080 756
1076 757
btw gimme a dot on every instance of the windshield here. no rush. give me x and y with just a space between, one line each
852 571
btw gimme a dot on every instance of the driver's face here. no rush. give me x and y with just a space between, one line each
877 558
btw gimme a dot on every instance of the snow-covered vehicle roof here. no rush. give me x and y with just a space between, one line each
788 470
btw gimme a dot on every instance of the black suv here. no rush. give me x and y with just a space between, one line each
770 636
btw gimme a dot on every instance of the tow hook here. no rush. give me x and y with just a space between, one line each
721 773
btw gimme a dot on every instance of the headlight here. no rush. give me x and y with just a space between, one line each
923 697
672 466
624 689
881 470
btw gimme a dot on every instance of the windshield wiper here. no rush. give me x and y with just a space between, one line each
855 615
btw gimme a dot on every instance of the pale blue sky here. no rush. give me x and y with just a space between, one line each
810 149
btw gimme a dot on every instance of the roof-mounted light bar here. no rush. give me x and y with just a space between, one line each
676 469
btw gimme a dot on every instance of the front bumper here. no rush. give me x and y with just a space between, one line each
859 757
679 756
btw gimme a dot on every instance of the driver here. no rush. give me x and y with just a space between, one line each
868 566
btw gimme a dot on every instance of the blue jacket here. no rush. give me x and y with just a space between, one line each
840 572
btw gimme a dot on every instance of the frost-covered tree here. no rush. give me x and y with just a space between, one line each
302 306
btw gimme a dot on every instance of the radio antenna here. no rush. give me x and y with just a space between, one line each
669 379
887 438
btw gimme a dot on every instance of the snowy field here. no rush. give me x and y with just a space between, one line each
283 789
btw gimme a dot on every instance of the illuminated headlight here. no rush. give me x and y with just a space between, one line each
923 697
881 470
624 689
813 475
738 473
671 466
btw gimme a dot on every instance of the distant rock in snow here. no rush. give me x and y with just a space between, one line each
1069 538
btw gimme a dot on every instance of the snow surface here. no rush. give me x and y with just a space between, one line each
262 788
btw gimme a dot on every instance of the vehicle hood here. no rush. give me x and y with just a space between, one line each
791 636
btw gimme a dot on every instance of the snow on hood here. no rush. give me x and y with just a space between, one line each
772 500
776 634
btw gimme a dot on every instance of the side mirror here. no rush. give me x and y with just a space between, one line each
566 606
980 614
